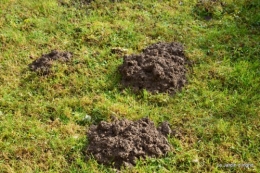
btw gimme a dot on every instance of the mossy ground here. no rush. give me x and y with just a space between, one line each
217 115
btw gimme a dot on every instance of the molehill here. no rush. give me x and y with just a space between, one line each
159 68
43 64
122 142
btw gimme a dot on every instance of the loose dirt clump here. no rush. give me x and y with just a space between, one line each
122 142
43 64
159 68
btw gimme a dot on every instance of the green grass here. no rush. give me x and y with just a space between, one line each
217 115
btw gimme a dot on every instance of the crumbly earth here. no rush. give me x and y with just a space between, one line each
43 64
159 68
121 142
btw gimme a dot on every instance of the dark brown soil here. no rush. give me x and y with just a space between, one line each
159 68
43 64
121 142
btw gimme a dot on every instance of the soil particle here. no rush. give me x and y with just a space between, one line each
159 68
121 142
43 64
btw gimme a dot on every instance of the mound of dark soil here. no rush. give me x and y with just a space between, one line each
122 142
43 64
159 68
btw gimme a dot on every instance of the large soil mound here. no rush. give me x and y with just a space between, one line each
159 68
122 141
43 64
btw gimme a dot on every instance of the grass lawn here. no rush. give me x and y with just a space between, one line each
216 116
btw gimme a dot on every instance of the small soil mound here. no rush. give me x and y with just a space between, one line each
123 141
43 64
159 68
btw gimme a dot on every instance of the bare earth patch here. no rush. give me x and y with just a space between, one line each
159 68
43 64
121 142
